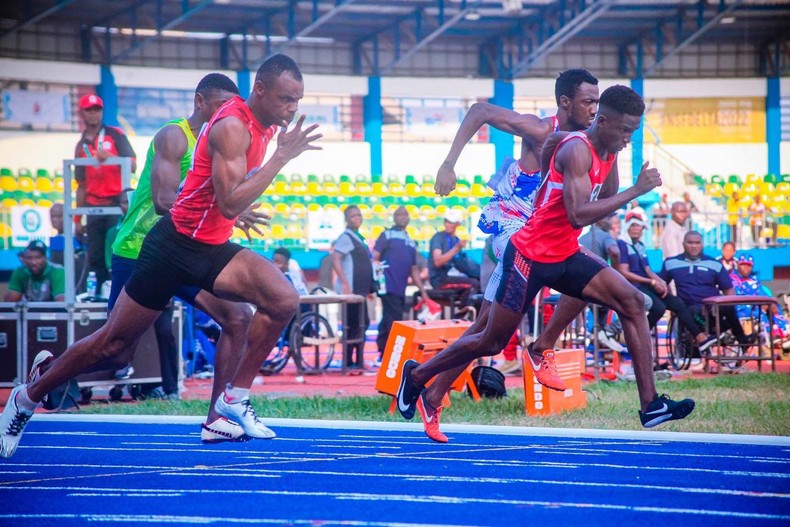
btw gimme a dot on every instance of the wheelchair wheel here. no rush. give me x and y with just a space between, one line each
679 345
312 342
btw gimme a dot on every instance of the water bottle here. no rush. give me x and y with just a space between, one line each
91 284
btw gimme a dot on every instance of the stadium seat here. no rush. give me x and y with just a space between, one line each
44 184
8 183
729 188
770 178
9 202
24 172
783 232
735 178
26 184
378 189
296 177
330 188
5 171
280 177
363 188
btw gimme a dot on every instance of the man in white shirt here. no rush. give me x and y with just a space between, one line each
675 230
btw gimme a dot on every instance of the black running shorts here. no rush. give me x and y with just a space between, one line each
523 278
169 260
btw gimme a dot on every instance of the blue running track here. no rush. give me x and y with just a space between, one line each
132 471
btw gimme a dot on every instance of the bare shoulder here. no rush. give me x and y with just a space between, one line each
170 139
229 135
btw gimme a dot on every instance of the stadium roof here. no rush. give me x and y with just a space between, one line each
509 38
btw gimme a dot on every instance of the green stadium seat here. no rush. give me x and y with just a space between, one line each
24 172
6 172
770 178
735 178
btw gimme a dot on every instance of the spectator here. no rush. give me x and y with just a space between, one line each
660 214
672 238
398 252
758 220
635 208
698 276
351 261
57 246
448 266
282 259
727 257
734 216
634 266
36 280
692 208
99 186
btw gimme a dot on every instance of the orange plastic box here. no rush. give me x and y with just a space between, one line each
410 339
539 400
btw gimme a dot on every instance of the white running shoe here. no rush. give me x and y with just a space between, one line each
35 370
609 342
243 413
12 423
221 430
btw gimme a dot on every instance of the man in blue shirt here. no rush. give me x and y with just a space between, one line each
634 266
398 251
698 276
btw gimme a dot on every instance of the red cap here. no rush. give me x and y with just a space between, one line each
90 101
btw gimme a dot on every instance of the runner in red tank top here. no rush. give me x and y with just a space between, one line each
169 259
196 213
579 275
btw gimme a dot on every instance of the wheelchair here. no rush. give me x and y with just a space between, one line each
682 347
308 340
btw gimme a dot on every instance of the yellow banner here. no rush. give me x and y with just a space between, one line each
691 121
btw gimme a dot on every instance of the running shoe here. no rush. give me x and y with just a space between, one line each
408 393
222 430
43 357
13 421
243 413
609 342
707 343
430 420
546 371
509 366
662 408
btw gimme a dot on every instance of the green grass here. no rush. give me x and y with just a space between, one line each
751 403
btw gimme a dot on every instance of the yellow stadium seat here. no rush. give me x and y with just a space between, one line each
27 202
766 188
297 188
753 178
5 231
44 202
396 190
729 188
428 211
277 231
346 188
313 207
363 188
427 190
9 202
298 211
413 232
8 184
783 188
783 232
375 231
330 188
480 191
44 185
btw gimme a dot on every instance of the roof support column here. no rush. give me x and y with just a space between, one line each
108 91
773 124
373 122
503 142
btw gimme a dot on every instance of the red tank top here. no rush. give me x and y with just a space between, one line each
195 213
548 236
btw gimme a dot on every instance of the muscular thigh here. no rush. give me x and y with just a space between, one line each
249 277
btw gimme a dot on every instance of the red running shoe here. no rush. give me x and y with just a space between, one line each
430 421
546 371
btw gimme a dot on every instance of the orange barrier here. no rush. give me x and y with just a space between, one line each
411 339
539 400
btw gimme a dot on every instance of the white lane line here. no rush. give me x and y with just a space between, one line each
224 520
432 499
640 435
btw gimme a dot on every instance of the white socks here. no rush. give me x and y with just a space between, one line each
234 395
24 402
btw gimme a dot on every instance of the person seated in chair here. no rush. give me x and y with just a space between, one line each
698 276
37 279
634 266
449 267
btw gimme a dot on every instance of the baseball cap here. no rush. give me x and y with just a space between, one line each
634 218
453 216
89 101
37 245
745 259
